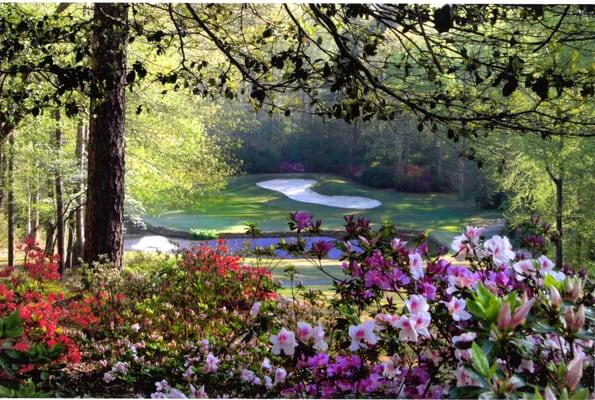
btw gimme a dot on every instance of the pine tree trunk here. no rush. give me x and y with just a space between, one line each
70 245
34 202
105 190
2 169
559 215
79 216
10 205
59 197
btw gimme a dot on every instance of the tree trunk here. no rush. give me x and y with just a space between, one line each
2 169
559 215
10 208
70 245
79 216
59 196
559 184
105 189
34 202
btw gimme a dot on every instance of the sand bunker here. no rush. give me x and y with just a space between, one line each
299 190
152 243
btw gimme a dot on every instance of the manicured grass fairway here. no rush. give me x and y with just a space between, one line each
243 201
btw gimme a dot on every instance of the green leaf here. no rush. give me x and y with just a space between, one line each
13 326
476 309
564 394
479 360
466 392
581 394
550 281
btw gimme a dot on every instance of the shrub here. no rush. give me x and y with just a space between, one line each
149 319
291 167
37 325
410 323
198 234
378 176
414 179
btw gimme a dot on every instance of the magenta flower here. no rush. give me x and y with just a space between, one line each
301 219
321 248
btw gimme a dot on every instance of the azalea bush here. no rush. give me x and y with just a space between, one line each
406 322
39 326
149 320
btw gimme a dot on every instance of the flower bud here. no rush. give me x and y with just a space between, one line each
574 373
579 319
569 318
577 290
548 394
555 298
520 314
568 285
504 317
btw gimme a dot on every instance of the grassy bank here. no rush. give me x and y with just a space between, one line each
243 201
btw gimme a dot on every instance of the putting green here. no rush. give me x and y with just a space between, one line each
243 201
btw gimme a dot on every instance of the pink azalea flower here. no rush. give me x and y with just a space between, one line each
545 264
463 244
247 376
416 304
108 377
422 322
456 308
500 249
283 342
464 379
387 319
255 309
318 337
416 266
523 269
188 375
266 364
397 244
473 233
280 375
362 334
389 369
464 338
408 332
211 363
304 331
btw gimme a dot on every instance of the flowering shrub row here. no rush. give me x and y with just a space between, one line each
407 323
402 321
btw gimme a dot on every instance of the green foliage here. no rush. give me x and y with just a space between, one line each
198 234
25 389
11 327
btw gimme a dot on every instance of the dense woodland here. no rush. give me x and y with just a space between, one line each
109 112
185 136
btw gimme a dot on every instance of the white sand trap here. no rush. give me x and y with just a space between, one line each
299 190
153 243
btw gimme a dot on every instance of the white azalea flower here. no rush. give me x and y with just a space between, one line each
456 308
500 249
408 332
416 266
283 342
362 334
416 304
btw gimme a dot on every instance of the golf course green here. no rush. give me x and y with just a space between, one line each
243 201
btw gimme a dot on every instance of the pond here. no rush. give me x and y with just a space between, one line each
166 244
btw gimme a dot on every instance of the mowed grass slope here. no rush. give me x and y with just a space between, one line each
242 201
